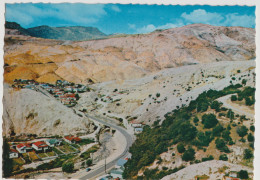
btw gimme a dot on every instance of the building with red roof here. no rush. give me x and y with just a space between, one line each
40 146
72 139
23 148
13 154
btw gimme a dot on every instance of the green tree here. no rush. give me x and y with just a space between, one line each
89 162
252 128
180 148
68 167
215 105
248 154
243 174
195 119
77 96
242 131
250 137
188 155
233 98
244 82
158 95
209 120
7 162
223 157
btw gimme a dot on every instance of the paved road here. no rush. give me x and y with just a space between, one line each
110 164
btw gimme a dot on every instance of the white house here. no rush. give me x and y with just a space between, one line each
23 148
40 146
53 142
13 154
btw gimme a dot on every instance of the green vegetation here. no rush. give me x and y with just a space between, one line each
178 129
181 148
209 158
86 154
248 154
223 157
209 120
242 131
243 174
68 167
7 163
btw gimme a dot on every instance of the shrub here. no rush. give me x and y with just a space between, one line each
188 155
248 154
195 119
252 128
233 98
223 157
209 120
89 162
158 95
243 174
215 105
244 82
180 148
250 137
221 145
207 158
242 131
68 167
217 130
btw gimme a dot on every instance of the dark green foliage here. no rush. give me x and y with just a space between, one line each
243 174
215 105
209 120
158 95
68 167
58 162
250 137
77 96
244 82
242 131
7 163
223 157
209 158
221 145
180 148
252 128
249 101
203 139
233 98
188 155
248 154
230 114
195 119
217 130
89 162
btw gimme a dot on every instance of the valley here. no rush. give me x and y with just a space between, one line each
163 103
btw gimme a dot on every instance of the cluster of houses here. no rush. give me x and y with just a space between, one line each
138 127
41 146
63 91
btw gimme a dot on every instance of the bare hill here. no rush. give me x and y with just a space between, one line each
30 112
126 57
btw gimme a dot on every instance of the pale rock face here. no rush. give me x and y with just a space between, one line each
126 57
27 111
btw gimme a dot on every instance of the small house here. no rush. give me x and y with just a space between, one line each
136 124
23 148
120 163
138 130
40 146
13 154
72 139
53 142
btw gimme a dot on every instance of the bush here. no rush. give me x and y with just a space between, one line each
180 148
158 95
209 158
242 131
243 174
233 98
248 154
188 155
223 157
215 105
209 120
252 128
221 145
250 137
217 130
195 119
89 162
68 167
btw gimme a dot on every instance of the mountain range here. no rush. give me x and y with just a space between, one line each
73 33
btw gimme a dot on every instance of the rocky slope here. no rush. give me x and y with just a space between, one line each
27 111
126 57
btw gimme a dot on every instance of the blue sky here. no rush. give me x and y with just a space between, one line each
118 18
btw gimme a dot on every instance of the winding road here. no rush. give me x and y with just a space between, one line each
95 172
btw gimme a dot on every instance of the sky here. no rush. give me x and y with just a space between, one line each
129 19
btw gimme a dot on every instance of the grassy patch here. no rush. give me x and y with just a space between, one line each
57 151
33 156
42 155
86 141
86 154
18 161
51 153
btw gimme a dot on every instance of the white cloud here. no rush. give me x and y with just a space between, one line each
202 16
235 19
115 8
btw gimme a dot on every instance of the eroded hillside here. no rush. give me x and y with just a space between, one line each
123 58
